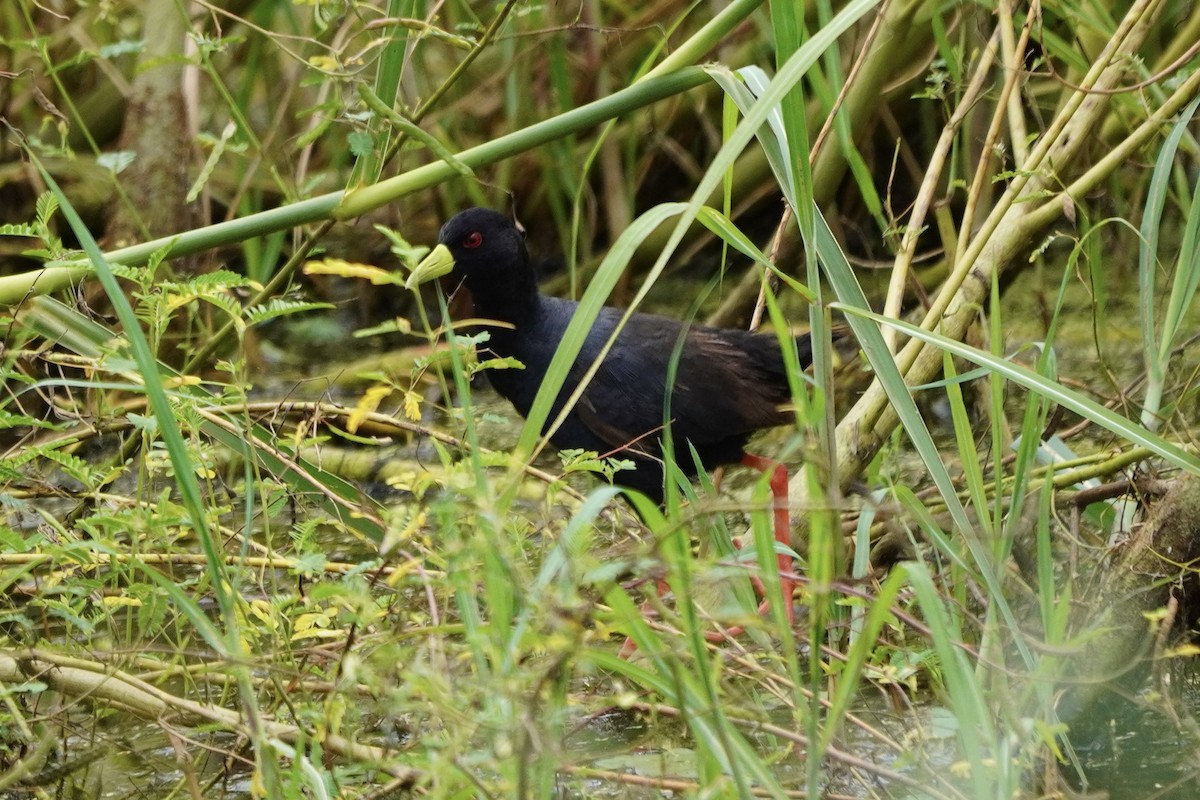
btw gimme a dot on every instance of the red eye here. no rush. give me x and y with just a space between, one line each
473 240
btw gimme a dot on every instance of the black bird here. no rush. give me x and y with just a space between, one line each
728 383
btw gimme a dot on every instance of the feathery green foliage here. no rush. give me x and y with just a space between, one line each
248 492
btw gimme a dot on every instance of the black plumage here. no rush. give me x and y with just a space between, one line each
728 383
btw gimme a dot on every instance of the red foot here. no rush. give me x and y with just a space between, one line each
629 646
783 535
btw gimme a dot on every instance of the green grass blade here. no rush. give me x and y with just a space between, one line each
57 322
168 427
1155 350
976 723
1051 390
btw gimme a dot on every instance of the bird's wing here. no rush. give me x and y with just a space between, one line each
619 440
718 391
622 404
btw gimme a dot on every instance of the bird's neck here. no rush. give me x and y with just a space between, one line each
515 302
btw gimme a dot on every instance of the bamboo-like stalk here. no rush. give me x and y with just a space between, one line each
1010 227
642 93
14 289
343 205
925 195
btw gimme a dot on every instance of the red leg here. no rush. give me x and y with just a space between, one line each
783 526
783 535
629 646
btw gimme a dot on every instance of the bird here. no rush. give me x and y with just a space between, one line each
728 383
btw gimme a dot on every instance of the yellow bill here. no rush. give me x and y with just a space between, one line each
439 262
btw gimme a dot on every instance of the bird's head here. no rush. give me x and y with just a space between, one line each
482 247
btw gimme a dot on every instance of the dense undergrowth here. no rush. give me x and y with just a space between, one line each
263 535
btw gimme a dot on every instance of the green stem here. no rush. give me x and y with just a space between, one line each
14 289
221 233
705 39
342 205
642 93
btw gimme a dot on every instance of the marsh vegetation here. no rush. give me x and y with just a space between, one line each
267 532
